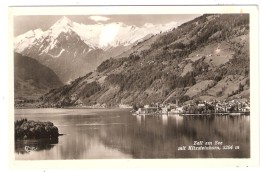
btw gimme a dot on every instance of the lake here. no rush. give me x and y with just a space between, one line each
116 133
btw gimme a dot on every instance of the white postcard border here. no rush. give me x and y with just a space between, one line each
155 163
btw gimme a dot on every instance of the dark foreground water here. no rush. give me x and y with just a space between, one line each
106 133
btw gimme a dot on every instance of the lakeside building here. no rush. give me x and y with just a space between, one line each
201 107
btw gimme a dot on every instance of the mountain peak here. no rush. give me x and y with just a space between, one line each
63 22
62 25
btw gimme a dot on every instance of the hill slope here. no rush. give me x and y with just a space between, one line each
31 79
206 58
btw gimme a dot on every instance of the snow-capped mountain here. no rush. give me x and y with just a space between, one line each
96 36
71 49
26 40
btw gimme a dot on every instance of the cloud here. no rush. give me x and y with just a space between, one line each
99 18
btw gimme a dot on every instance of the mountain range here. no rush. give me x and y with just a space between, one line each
71 49
206 58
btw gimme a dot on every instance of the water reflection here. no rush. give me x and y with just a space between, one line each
164 119
139 119
118 134
178 119
39 145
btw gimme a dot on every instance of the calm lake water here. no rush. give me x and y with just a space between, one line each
115 133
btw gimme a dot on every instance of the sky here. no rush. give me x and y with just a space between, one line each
23 24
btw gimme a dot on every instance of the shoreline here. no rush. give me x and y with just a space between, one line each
169 113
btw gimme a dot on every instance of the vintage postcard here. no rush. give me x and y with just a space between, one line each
130 85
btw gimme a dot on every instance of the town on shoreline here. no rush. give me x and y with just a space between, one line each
196 107
191 107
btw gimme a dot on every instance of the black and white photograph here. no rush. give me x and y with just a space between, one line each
132 86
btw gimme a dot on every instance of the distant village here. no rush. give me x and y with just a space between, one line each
196 107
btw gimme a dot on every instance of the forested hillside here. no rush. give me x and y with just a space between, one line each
32 79
206 58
